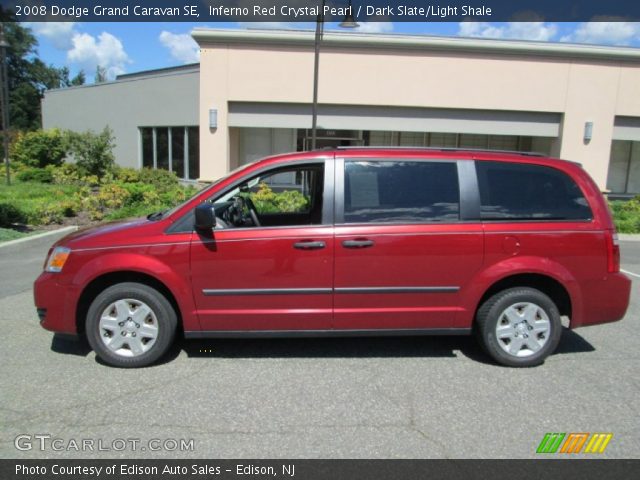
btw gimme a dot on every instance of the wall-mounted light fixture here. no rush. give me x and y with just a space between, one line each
213 118
588 131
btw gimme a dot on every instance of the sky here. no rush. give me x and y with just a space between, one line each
133 47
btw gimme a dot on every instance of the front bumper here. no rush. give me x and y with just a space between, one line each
56 303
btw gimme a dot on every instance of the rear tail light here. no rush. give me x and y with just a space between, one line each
613 252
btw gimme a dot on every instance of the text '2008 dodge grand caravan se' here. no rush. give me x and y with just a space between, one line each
350 242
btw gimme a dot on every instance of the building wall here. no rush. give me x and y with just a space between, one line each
577 88
158 100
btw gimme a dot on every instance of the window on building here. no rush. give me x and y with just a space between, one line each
171 148
193 152
162 148
412 139
469 140
458 140
146 135
381 139
528 192
401 192
503 142
443 140
177 151
624 167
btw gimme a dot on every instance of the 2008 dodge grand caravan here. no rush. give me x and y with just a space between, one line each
350 242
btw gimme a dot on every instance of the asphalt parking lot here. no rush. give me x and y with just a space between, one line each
436 397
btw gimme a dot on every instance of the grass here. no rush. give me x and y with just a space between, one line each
7 234
34 192
33 203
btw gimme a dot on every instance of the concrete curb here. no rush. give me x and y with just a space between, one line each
629 237
70 229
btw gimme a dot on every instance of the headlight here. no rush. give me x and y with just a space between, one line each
57 259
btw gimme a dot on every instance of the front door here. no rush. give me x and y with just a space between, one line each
402 254
268 266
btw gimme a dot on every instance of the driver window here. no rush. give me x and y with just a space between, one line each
288 196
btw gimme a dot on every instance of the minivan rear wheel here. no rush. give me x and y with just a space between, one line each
130 325
519 327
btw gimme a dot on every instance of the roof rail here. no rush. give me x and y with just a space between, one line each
442 149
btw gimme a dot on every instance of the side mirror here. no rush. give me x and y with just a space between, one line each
205 217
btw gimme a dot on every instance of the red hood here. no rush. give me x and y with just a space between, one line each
109 234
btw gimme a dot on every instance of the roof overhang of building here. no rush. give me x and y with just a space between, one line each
210 37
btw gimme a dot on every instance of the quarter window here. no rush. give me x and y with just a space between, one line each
528 192
401 192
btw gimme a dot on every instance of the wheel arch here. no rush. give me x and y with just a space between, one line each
101 282
544 283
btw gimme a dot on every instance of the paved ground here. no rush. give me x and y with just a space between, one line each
360 398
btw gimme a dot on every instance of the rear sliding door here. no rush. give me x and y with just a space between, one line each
404 247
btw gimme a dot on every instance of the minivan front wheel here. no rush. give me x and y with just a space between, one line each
130 325
519 327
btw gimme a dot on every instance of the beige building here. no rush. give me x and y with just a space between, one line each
578 102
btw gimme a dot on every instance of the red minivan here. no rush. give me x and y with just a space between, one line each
361 241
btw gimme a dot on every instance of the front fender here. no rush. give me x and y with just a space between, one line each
473 292
174 276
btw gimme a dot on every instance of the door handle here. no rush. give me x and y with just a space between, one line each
357 243
308 245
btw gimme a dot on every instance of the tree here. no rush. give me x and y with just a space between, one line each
79 79
93 152
39 148
65 81
101 75
29 76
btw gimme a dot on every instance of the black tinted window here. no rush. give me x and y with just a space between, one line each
396 191
517 191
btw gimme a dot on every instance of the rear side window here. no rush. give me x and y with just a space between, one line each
401 192
528 192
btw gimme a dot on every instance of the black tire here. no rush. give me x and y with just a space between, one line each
492 311
162 316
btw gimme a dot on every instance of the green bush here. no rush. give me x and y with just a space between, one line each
163 180
66 174
112 196
136 192
72 174
10 214
626 215
69 208
93 152
47 215
39 148
125 175
268 201
40 175
133 211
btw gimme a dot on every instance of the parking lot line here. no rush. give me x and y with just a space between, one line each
629 273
